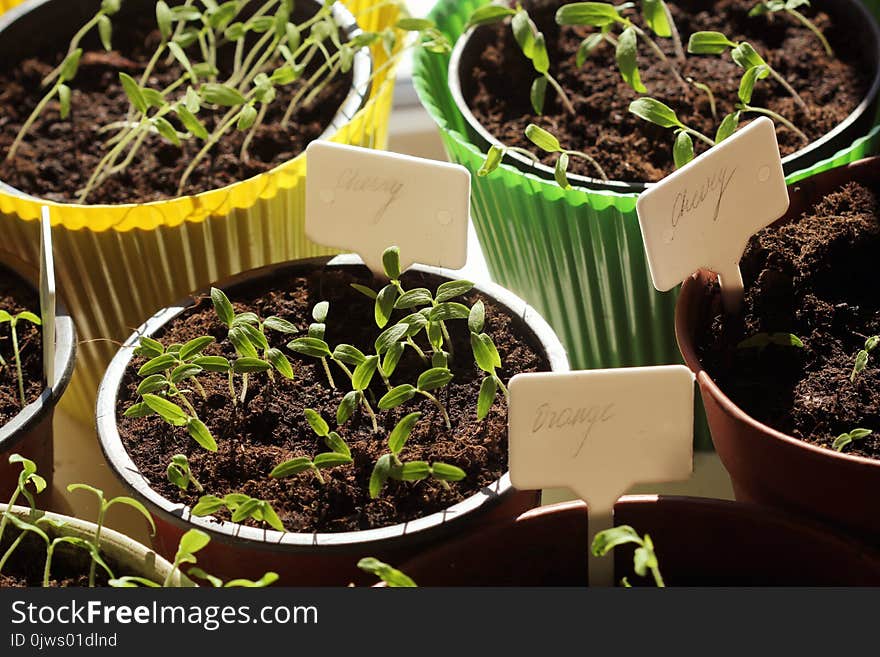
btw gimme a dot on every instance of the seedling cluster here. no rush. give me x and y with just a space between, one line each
272 58
615 28
406 319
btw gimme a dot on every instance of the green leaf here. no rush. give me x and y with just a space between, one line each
222 306
493 161
628 59
138 410
446 472
452 289
872 343
607 540
254 335
29 317
64 100
439 359
178 54
185 371
596 14
157 365
747 84
70 66
280 325
391 262
416 322
477 317
363 373
200 433
653 111
165 19
587 47
762 340
524 32
401 432
319 425
206 506
240 340
280 362
223 95
110 7
149 348
540 58
346 407
859 434
391 576
247 117
133 91
709 43
291 468
310 347
483 353
337 444
392 357
167 410
542 139
654 13
488 14
841 442
385 305
212 363
414 24
419 296
683 149
434 378
728 126
487 397
195 346
137 506
397 396
154 98
379 476
389 337
366 291
747 57
193 541
449 310
152 383
320 311
560 171
248 365
331 460
191 123
349 354
266 580
412 471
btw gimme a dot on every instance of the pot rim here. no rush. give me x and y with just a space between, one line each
523 165
17 429
120 548
177 513
691 293
358 95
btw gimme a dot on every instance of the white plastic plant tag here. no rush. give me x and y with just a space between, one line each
598 433
703 215
47 296
364 200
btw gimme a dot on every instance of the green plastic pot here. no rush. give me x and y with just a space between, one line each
575 255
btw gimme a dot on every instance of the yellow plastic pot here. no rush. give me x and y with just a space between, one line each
119 264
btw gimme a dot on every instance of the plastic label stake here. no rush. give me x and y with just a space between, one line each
47 297
703 215
598 433
363 200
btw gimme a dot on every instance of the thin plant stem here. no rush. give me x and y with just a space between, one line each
329 375
18 363
439 406
11 549
669 63
777 117
591 160
676 36
815 30
38 110
566 101
102 511
791 90
47 568
74 44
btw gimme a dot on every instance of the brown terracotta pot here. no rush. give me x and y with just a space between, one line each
765 465
314 559
30 432
699 542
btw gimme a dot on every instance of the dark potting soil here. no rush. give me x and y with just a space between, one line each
813 278
16 296
70 565
57 157
270 427
632 150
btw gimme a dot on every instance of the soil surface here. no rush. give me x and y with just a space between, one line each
812 278
16 296
70 565
632 150
270 427
57 158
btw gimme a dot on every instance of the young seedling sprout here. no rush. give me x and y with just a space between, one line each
339 453
487 358
790 7
845 439
761 341
715 43
241 506
27 477
180 474
644 559
164 373
430 380
863 356
263 52
13 324
389 466
532 44
247 334
104 505
392 577
653 111
607 17
193 541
